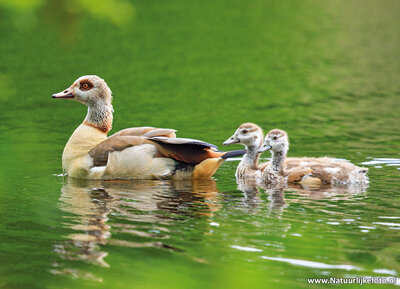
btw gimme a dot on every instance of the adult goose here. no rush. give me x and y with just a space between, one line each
132 153
323 170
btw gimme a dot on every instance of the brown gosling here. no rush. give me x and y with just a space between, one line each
321 170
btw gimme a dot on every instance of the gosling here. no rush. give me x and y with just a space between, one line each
251 136
321 170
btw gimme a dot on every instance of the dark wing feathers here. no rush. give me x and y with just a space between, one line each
190 151
186 152
184 141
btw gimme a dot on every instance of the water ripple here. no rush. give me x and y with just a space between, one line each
389 162
312 264
248 249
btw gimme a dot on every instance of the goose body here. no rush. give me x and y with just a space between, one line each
133 153
307 171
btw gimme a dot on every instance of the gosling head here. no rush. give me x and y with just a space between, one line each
276 140
89 90
248 134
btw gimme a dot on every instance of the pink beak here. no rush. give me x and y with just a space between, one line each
64 94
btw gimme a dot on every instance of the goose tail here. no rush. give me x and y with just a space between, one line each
208 167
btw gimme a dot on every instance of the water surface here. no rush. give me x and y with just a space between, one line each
327 73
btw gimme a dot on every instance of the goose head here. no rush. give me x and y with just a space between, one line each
248 134
89 90
276 141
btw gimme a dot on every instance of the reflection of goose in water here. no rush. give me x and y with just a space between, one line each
89 208
144 209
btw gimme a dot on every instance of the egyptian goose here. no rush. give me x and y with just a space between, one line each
132 153
321 170
251 136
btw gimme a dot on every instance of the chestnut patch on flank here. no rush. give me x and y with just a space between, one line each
85 84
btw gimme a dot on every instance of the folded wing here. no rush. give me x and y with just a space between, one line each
147 131
189 151
186 150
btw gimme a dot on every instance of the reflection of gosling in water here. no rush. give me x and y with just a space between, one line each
307 171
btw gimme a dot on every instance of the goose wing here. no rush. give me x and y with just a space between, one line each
114 143
188 151
146 131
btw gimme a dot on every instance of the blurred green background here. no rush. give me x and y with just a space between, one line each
327 72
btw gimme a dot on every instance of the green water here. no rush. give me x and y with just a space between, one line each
327 72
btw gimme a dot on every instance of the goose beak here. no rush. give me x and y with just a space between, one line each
233 139
264 148
64 94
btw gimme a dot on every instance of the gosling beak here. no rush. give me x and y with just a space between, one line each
264 148
64 94
233 139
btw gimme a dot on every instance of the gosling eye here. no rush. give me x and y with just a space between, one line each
245 131
274 137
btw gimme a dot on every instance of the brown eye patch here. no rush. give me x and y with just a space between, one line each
275 138
85 85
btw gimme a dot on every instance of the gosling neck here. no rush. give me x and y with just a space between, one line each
278 160
250 159
100 116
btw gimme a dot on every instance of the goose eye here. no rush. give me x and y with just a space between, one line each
86 86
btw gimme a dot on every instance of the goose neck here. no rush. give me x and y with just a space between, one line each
100 116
